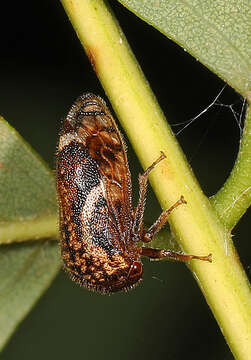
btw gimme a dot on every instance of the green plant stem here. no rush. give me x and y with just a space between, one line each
37 228
233 199
196 225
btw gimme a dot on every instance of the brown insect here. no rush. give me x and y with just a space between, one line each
99 227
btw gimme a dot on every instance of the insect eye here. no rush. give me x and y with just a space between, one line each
135 270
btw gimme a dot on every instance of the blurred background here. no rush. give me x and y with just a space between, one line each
43 69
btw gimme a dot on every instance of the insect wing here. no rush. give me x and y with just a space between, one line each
106 146
94 185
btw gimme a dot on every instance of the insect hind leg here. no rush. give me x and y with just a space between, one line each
160 254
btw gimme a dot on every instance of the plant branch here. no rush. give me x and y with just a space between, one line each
234 198
196 224
41 227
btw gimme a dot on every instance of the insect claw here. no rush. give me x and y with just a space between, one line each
163 155
182 200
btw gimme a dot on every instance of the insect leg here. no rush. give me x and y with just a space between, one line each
159 254
139 211
149 234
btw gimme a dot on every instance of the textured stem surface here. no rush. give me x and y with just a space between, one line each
196 224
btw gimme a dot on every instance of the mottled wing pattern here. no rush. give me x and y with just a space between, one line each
94 188
106 146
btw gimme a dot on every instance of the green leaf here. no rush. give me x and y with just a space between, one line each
28 207
26 271
27 211
215 32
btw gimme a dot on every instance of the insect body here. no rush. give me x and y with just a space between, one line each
99 227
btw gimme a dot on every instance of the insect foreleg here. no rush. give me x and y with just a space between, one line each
139 211
149 234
